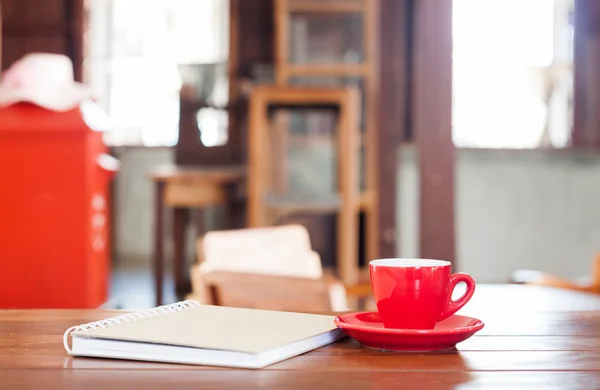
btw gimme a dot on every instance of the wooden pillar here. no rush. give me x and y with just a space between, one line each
432 126
393 110
586 83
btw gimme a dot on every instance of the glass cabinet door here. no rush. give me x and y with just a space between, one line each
324 37
301 150
338 81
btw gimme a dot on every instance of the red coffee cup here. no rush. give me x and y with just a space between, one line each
416 293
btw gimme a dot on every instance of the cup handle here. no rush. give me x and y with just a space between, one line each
453 306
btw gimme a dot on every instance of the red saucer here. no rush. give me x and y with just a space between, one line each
367 329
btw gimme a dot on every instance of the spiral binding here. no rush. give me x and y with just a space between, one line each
130 317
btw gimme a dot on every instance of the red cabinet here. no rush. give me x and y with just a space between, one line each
54 210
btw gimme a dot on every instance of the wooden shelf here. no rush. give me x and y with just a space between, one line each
326 6
312 203
367 69
317 203
335 69
263 206
174 173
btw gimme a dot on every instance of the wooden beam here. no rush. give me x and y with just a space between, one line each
432 125
392 115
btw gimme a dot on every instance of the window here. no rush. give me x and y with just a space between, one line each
136 49
512 73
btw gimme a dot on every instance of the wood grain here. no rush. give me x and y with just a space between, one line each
214 379
432 127
256 291
520 347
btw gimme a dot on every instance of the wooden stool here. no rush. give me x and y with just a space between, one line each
183 189
271 197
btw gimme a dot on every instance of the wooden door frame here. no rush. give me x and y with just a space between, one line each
431 119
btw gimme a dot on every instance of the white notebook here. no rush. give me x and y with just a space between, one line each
190 333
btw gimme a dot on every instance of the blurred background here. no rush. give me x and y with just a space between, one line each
463 130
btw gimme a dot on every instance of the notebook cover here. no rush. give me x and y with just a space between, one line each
220 328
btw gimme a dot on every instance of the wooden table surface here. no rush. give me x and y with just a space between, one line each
534 338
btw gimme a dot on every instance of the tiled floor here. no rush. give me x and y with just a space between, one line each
133 288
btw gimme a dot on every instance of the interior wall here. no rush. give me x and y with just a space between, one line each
133 202
514 209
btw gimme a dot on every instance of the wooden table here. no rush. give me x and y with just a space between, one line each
183 189
555 344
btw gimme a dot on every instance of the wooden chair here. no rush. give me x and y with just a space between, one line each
279 250
271 197
273 292
270 267
539 278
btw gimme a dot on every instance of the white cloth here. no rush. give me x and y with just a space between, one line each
43 79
